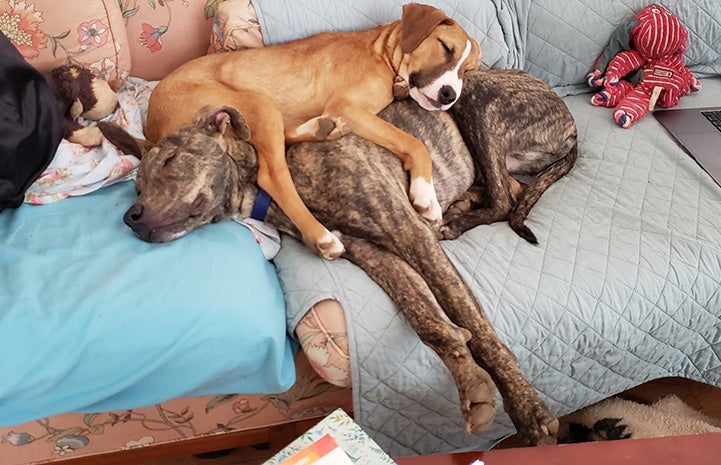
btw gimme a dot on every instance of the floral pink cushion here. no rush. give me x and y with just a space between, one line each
164 35
235 27
51 33
81 436
323 335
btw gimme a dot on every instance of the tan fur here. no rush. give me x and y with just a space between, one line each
205 173
317 88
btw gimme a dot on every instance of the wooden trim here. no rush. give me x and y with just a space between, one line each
285 432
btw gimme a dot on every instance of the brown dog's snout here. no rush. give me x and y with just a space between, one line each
133 218
446 95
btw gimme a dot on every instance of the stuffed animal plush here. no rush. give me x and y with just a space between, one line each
643 66
82 94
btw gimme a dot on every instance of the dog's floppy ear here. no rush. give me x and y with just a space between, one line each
221 119
476 48
417 22
120 138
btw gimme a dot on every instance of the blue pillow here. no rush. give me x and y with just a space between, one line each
94 319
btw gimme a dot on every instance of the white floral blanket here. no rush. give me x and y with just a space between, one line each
77 170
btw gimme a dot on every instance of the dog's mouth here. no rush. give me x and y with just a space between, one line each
152 231
430 101
165 233
426 102
160 233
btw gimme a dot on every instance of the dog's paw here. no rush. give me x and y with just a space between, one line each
331 128
475 387
478 403
448 232
320 128
330 246
423 197
534 422
540 427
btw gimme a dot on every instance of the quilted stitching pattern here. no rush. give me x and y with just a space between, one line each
624 288
566 36
491 26
625 285
556 40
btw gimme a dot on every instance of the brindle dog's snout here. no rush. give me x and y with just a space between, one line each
133 218
446 95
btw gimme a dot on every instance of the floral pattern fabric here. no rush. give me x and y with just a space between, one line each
48 34
350 437
163 34
77 170
235 27
76 435
323 335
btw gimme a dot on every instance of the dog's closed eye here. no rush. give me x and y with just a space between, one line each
196 209
168 159
446 48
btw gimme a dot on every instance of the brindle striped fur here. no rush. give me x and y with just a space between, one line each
513 122
205 173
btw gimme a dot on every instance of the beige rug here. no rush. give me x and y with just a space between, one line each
617 418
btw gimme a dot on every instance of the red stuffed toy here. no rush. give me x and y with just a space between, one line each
652 45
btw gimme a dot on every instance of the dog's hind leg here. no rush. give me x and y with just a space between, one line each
415 299
533 420
490 199
318 129
532 191
513 124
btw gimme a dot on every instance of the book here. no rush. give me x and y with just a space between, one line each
324 451
346 434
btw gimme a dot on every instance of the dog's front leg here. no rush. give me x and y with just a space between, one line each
412 152
274 176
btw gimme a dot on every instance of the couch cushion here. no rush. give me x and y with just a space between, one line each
164 35
565 38
493 27
235 27
49 33
622 288
94 319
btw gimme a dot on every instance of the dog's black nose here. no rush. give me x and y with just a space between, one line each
132 216
446 95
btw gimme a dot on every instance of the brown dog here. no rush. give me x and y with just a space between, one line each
320 88
513 124
206 172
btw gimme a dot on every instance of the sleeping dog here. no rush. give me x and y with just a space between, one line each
354 75
206 172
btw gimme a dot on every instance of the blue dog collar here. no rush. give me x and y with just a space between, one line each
261 205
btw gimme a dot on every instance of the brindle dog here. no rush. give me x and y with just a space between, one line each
206 172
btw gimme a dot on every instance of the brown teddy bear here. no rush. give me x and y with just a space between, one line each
82 94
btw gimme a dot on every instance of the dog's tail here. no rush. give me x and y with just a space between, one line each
532 192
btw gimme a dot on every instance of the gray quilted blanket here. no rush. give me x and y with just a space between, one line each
624 286
557 40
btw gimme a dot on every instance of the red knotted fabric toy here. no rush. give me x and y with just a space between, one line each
643 66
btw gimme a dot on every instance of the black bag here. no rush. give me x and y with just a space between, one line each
31 124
